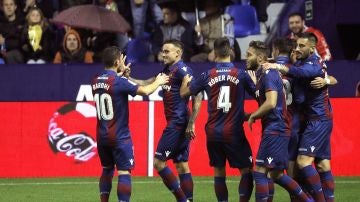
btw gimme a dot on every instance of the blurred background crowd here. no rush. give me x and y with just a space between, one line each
40 31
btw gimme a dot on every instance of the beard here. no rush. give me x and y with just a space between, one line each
252 65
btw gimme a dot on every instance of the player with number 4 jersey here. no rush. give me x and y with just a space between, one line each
225 86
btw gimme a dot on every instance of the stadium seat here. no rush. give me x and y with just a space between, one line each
138 50
245 20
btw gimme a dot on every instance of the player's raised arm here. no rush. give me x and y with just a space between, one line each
148 89
126 72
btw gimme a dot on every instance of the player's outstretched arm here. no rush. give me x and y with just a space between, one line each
142 82
281 68
160 79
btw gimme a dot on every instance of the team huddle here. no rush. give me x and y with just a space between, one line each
294 108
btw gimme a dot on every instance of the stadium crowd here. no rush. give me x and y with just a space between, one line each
27 34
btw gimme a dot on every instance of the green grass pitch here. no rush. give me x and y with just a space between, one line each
145 189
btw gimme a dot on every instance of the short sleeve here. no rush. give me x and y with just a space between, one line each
271 78
127 86
198 84
183 71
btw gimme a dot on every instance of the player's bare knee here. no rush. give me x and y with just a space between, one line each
219 172
182 167
322 165
245 170
159 164
123 172
303 161
275 174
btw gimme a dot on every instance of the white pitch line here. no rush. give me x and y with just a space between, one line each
140 182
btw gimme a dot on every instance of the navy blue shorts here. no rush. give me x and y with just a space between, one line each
173 145
121 155
237 153
273 152
294 138
315 141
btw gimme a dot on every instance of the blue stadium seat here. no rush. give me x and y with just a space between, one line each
245 20
138 50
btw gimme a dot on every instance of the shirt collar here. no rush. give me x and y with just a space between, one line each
224 65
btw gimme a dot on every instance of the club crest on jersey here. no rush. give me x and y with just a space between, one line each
131 161
269 159
312 148
80 145
184 68
251 159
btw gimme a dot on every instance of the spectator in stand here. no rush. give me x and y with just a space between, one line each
65 4
121 38
49 7
261 12
139 10
214 25
11 27
297 26
36 38
72 51
173 27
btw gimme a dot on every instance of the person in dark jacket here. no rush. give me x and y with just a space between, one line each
11 26
173 27
36 38
72 50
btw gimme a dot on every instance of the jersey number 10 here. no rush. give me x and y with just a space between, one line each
104 107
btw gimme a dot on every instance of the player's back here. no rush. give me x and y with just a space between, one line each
225 87
111 97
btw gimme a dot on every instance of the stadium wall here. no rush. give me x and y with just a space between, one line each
48 123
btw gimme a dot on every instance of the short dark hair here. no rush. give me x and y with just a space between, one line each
284 45
110 55
260 48
296 14
310 36
222 47
173 6
175 42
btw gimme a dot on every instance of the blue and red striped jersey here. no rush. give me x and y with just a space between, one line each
317 102
225 86
176 108
111 97
276 121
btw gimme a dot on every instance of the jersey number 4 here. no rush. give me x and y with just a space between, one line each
104 106
224 99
